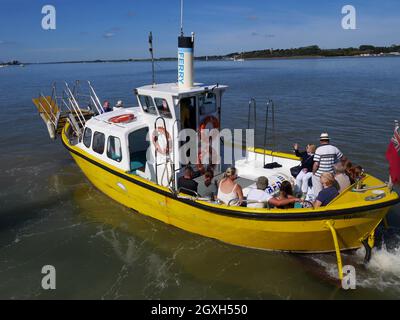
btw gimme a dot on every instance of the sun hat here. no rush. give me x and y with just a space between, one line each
324 136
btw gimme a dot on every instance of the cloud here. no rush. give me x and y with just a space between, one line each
5 42
252 18
111 32
266 35
108 35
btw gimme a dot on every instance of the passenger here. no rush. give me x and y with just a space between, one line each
119 104
325 157
106 106
307 162
208 188
187 183
341 177
286 193
357 172
164 110
347 168
228 190
260 194
329 191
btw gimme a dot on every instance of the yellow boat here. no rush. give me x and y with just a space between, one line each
141 173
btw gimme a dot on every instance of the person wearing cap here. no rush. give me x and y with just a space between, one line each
259 194
263 197
119 104
325 158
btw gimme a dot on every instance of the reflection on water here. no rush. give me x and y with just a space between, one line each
50 214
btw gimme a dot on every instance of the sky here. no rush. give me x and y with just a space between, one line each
118 29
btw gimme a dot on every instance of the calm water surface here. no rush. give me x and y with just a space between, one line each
51 214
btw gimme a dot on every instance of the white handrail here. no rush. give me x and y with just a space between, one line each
75 104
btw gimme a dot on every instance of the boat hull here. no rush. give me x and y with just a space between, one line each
305 233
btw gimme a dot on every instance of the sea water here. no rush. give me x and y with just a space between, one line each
51 215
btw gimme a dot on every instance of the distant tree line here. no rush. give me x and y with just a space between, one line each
314 51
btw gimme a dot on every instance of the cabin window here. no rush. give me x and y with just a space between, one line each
163 108
87 137
98 142
114 151
207 103
147 104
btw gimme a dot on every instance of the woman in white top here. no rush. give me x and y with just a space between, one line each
228 190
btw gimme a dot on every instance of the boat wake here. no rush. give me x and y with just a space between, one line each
381 273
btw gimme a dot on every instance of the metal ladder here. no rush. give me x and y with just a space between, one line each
57 110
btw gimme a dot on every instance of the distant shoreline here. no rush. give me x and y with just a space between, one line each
196 59
211 60
310 52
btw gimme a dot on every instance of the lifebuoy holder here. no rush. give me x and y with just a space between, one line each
123 118
161 131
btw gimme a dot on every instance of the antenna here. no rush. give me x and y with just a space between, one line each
152 56
181 17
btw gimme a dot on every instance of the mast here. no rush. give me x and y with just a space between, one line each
152 58
185 57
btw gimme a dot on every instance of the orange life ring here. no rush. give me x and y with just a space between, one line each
122 118
209 119
156 133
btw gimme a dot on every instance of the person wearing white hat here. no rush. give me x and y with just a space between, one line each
119 104
325 158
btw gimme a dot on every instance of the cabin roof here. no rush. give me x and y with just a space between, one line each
174 90
101 122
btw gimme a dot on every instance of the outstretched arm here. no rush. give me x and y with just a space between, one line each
283 202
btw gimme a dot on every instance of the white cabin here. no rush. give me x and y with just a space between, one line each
161 113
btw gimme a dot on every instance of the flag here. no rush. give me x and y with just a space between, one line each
393 155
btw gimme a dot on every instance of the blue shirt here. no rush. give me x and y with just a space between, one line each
327 195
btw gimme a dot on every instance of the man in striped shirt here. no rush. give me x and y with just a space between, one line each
325 157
